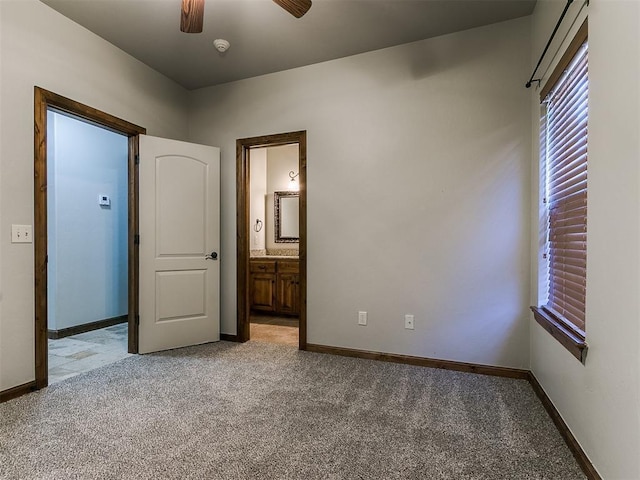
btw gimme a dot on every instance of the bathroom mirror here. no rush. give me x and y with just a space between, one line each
287 217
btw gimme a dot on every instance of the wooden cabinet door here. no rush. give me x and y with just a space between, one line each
263 292
288 288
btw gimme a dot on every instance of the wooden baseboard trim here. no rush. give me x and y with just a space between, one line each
422 361
227 337
581 457
18 391
86 327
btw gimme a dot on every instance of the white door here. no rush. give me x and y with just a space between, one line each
179 299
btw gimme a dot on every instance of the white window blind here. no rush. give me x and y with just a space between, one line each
565 152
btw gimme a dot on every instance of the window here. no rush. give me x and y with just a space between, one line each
563 153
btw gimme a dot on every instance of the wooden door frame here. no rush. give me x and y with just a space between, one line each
243 228
45 100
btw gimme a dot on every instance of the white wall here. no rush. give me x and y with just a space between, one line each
41 47
418 191
87 243
2 230
600 401
269 172
280 161
257 194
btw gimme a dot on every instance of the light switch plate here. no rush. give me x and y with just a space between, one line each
21 234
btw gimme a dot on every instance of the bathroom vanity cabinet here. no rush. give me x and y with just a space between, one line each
275 285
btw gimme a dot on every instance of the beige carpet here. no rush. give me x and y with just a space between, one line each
263 411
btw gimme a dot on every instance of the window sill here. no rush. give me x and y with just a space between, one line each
569 339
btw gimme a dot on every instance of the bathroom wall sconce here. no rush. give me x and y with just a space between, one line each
294 182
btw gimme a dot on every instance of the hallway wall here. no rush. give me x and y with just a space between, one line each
87 243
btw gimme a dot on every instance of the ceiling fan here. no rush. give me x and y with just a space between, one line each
192 16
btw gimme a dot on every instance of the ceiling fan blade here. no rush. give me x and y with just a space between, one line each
192 16
297 8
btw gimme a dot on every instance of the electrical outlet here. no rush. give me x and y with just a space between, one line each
408 322
21 234
362 318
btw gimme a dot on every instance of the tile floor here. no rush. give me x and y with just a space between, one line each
73 355
271 329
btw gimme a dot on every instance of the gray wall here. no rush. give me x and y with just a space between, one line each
418 191
600 401
420 178
41 47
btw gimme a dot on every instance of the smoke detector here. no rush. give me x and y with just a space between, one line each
221 45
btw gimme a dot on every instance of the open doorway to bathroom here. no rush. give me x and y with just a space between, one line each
87 243
274 272
271 174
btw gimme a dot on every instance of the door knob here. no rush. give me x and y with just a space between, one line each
212 256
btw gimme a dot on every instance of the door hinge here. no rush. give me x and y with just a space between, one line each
136 239
137 319
137 159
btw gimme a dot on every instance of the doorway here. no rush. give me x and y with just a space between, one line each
46 101
87 246
271 277
274 244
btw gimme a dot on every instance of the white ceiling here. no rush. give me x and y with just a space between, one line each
265 38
